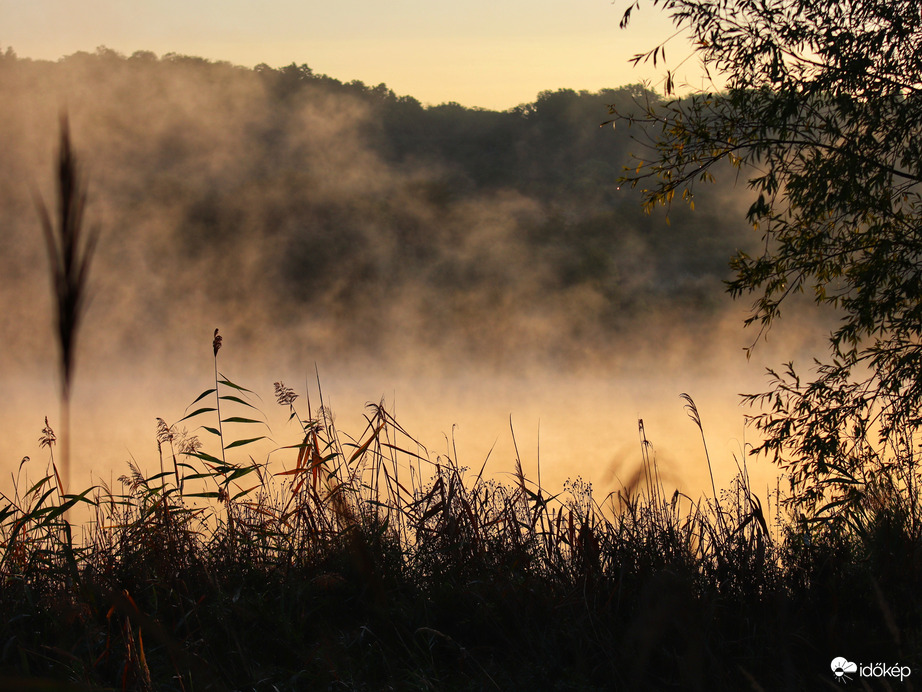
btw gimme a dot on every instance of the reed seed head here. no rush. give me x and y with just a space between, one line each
48 437
285 396
164 432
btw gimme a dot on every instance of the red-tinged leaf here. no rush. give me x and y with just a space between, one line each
130 600
315 472
303 452
292 472
316 460
371 438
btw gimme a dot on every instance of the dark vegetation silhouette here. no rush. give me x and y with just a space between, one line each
820 113
370 562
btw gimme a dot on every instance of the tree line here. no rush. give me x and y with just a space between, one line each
369 209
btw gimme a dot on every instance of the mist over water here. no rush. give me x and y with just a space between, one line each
315 228
573 423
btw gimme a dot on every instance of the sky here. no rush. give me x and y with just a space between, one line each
492 54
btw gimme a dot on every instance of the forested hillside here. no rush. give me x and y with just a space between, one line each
361 218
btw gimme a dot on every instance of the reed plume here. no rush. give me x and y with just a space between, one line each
70 252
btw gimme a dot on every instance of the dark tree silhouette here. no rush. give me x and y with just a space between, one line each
821 109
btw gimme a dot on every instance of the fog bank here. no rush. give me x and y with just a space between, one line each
465 265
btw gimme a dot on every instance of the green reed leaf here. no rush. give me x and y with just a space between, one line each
202 396
206 457
227 383
196 413
238 400
240 443
240 473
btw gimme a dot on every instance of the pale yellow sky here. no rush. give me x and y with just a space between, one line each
487 53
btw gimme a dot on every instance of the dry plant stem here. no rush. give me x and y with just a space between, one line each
64 479
650 470
216 345
692 411
69 255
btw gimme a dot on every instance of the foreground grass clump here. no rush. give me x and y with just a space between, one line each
366 564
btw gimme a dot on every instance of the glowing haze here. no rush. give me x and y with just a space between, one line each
288 228
479 53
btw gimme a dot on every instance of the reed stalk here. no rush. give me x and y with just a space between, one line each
692 410
216 346
70 250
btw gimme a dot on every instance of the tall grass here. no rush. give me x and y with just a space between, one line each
370 563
